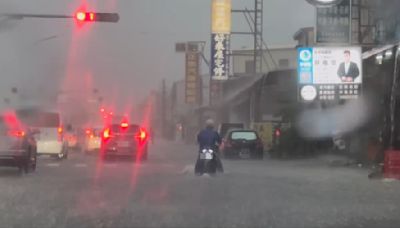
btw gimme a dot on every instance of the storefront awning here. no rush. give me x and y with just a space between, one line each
377 50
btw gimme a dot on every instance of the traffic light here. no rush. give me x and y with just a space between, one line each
99 17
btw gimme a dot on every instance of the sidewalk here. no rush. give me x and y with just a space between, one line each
337 160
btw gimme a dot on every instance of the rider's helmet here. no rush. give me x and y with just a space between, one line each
210 123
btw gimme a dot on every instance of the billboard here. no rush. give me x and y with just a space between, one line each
221 16
334 23
192 81
329 73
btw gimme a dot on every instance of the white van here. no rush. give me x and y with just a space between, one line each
50 137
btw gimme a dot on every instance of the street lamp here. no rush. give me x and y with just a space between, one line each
324 3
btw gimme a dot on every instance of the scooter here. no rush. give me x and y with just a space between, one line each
206 162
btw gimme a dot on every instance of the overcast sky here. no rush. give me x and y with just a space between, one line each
125 59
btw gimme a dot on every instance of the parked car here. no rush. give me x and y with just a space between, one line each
242 144
224 128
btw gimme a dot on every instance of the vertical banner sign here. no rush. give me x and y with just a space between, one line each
219 57
221 16
334 23
221 28
192 78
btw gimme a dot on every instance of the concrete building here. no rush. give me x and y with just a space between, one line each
183 121
275 58
305 37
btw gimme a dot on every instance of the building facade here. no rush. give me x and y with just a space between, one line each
275 58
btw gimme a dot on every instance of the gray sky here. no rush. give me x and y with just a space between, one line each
125 59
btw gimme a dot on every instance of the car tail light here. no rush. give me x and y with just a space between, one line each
124 125
16 133
60 131
106 133
141 135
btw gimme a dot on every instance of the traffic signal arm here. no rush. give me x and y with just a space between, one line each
100 17
80 16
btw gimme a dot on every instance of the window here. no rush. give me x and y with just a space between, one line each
131 128
247 135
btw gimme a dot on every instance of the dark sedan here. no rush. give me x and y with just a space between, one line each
242 144
124 140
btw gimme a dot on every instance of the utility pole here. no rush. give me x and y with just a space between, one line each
163 108
256 27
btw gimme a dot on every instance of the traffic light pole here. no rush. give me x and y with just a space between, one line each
94 16
18 16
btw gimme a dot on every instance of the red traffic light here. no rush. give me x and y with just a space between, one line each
100 17
83 16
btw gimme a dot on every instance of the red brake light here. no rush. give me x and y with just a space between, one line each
106 133
124 125
16 133
142 135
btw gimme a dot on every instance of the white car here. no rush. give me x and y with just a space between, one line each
50 140
92 140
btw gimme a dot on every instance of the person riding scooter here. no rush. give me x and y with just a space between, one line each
208 138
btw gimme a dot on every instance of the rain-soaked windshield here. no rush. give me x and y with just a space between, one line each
200 113
243 135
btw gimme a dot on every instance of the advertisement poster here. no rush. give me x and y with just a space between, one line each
192 78
329 73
